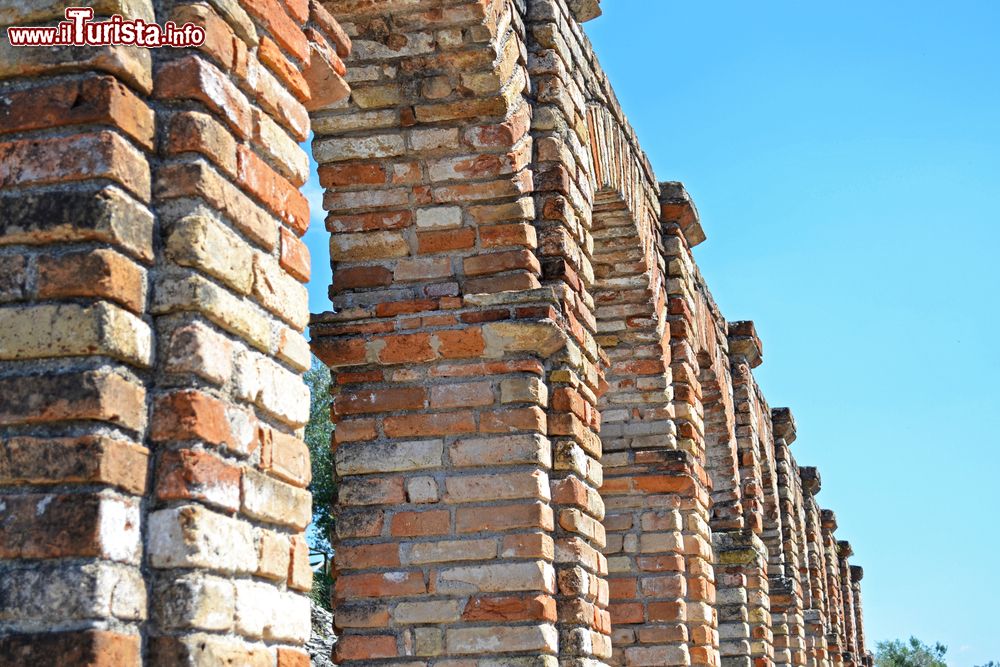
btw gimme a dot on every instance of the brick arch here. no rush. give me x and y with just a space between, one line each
654 491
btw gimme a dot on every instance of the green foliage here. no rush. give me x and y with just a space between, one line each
912 653
319 431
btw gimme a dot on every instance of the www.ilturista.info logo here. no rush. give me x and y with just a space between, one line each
80 30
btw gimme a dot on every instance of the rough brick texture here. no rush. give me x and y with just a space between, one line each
550 445
550 448
152 316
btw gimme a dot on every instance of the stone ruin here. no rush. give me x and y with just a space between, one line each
550 446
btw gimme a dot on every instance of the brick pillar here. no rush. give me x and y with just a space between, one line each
834 592
656 493
151 340
857 574
787 604
468 519
851 653
815 571
76 347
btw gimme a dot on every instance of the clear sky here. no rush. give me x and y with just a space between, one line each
845 158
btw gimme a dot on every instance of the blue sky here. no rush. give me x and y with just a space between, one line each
845 158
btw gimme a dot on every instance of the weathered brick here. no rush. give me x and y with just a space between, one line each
76 158
272 16
271 500
107 215
193 78
34 526
202 243
96 99
193 475
95 648
192 536
90 395
100 273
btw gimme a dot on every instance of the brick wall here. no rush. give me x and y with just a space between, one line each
152 310
550 446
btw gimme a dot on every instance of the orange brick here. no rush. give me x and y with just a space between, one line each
445 240
101 273
353 430
97 99
476 519
406 348
193 78
193 415
276 193
382 584
94 648
461 343
380 400
299 571
448 423
468 394
271 56
510 608
330 28
192 475
294 256
411 524
290 657
365 647
284 29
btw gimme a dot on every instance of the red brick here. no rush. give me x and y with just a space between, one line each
380 400
220 43
366 556
289 74
393 308
192 475
383 584
82 460
365 647
101 274
354 430
509 517
284 29
330 52
74 158
35 526
191 415
337 175
445 240
460 343
412 524
194 78
91 395
339 352
330 28
272 189
510 608
98 99
496 236
348 278
93 648
405 348
295 256
448 423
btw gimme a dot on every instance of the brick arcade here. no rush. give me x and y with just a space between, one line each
550 447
